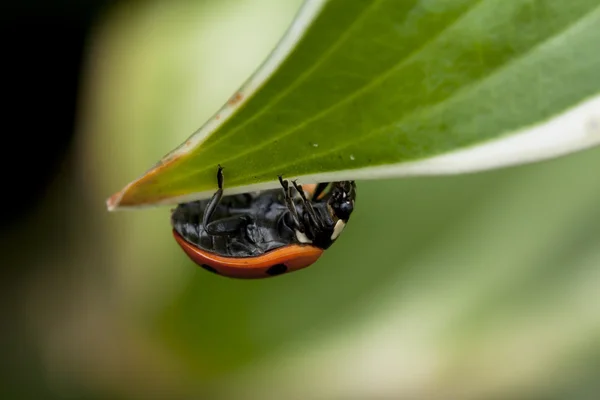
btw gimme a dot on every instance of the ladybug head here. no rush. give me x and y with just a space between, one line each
341 199
325 219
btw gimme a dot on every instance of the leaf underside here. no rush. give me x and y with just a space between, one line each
381 83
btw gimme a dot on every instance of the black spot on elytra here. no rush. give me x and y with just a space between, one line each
210 269
277 269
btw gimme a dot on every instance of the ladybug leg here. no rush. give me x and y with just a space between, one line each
214 201
319 189
290 204
311 211
228 226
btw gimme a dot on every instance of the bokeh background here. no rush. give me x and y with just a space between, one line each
482 286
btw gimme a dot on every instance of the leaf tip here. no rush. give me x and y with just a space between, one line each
112 203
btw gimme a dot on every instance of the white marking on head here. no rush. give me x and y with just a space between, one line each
302 238
339 227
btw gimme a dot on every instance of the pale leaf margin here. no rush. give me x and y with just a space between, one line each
573 130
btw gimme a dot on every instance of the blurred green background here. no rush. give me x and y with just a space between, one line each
482 286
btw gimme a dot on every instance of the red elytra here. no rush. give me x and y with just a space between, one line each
276 262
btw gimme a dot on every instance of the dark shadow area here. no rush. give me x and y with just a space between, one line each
43 46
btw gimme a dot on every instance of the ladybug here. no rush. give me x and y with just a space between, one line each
263 234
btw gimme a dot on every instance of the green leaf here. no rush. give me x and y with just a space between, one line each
373 89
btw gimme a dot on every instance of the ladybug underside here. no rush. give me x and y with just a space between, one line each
263 234
262 223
